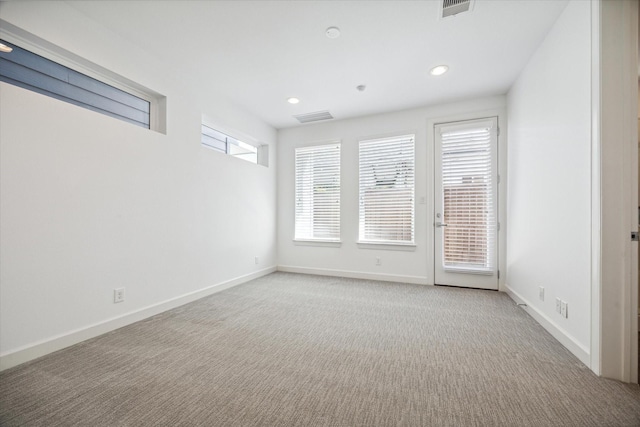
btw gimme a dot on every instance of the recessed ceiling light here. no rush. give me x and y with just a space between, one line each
333 32
4 48
439 70
293 100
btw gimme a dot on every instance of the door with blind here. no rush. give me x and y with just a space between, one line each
466 204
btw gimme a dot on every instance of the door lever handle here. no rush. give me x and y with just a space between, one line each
440 224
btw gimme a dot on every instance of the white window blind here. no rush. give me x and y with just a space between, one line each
318 193
468 174
387 181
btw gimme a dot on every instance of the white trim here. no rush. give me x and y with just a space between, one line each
596 192
418 280
578 350
33 351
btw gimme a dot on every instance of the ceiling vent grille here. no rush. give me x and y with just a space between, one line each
314 117
454 7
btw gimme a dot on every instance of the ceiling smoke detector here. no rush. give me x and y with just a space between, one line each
333 32
453 7
361 88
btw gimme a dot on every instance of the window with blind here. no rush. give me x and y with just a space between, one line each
468 189
318 193
387 185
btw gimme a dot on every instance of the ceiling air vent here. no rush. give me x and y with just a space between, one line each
314 117
453 7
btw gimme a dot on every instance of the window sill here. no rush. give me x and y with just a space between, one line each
325 243
409 247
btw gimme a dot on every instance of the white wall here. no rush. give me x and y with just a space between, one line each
549 234
349 259
90 203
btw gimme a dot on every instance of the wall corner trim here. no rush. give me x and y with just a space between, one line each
578 350
42 348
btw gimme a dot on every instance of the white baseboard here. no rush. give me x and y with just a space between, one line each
418 280
578 350
27 353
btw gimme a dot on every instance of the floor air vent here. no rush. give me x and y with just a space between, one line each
453 7
314 117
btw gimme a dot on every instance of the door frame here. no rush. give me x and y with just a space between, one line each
472 114
614 190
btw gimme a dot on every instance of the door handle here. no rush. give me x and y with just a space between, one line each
440 224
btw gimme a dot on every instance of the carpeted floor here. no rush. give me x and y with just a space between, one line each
295 350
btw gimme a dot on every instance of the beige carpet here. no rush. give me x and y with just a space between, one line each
295 350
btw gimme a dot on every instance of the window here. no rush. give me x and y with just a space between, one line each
387 190
469 195
226 144
30 71
318 193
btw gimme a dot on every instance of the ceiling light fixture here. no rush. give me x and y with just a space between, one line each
333 32
293 100
361 88
439 70
4 48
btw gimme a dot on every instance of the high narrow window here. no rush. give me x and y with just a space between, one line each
226 144
30 71
387 181
318 193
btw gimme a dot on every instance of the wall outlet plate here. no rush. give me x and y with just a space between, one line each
118 295
541 293
558 305
378 261
563 309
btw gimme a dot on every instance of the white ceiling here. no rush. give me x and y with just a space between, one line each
259 53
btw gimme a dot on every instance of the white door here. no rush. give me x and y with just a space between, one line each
466 204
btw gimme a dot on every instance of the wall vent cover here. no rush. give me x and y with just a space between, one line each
454 7
314 117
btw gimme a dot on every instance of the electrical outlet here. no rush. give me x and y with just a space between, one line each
118 295
541 293
257 260
563 309
558 305
378 261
